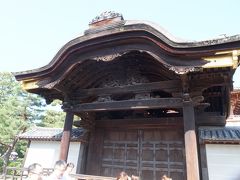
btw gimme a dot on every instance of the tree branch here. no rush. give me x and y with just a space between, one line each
7 145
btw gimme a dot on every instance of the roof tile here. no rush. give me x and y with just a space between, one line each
219 134
52 134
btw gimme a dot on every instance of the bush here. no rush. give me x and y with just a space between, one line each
16 164
1 166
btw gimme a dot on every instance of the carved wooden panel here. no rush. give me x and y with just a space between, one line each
146 153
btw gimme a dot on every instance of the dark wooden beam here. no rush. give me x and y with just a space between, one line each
146 123
65 141
168 86
206 119
128 105
201 84
190 141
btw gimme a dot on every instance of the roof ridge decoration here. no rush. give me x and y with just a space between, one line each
107 15
106 20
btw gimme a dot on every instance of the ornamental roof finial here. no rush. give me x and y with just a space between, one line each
106 17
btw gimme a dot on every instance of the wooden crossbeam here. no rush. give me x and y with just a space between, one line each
129 104
163 122
200 84
168 86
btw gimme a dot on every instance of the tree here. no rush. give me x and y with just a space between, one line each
54 116
18 109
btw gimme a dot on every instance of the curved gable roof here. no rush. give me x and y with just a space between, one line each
133 34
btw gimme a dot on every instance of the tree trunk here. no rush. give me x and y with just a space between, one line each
7 154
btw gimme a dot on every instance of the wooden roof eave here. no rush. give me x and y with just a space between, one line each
184 47
225 49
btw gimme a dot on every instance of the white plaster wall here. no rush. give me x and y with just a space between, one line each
73 154
47 153
223 161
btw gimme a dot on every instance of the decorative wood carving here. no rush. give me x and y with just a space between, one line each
167 86
109 57
125 77
184 69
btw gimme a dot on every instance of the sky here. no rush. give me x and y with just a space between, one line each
32 32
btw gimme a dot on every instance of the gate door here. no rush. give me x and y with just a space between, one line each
145 153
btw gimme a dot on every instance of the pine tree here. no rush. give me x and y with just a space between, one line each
54 116
18 109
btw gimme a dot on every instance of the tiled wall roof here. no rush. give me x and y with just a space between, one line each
52 134
219 134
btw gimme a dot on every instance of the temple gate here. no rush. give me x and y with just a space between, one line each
140 94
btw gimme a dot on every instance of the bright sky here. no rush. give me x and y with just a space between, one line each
31 32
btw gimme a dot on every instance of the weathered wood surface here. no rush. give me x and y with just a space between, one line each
144 123
148 154
65 141
129 104
190 142
168 86
95 152
209 119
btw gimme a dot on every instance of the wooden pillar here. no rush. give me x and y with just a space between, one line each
204 165
65 141
190 141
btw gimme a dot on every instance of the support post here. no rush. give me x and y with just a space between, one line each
65 141
190 141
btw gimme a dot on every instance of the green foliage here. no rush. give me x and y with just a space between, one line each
8 87
21 148
1 165
2 150
11 119
17 164
18 109
54 116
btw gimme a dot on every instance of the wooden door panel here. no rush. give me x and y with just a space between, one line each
147 174
178 175
120 152
161 155
176 155
147 153
132 153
